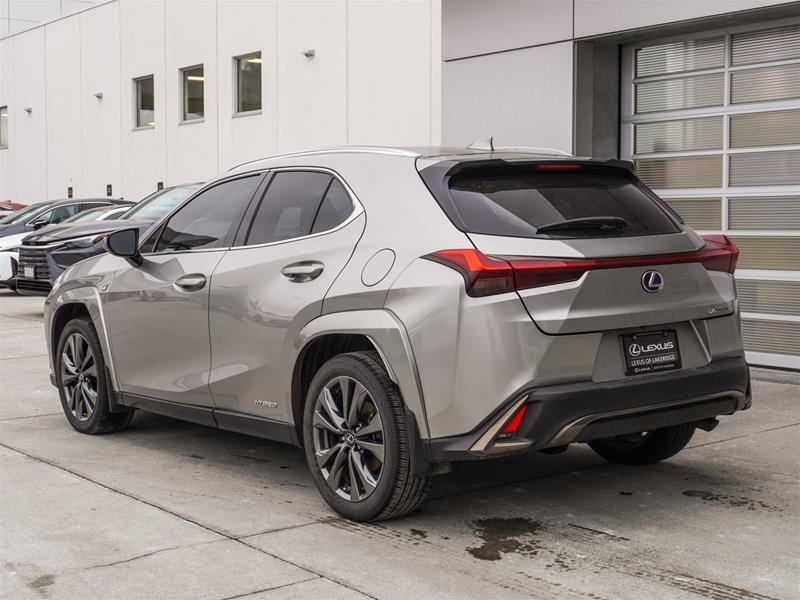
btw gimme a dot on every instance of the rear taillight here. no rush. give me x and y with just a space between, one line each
488 275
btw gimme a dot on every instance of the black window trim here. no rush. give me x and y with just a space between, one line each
244 229
157 229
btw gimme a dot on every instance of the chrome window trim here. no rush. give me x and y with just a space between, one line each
358 208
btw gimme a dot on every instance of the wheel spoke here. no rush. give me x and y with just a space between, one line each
347 397
85 403
359 393
337 468
88 360
68 365
374 448
364 476
89 397
374 426
320 422
327 402
354 493
325 456
68 379
76 400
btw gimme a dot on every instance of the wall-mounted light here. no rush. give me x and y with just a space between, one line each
310 53
28 110
99 95
195 78
255 60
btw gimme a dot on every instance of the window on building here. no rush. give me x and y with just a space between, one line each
193 96
145 101
248 82
3 127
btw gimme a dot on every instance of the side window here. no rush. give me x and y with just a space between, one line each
209 219
335 208
59 213
289 206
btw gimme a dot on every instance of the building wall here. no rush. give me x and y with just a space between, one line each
508 64
374 79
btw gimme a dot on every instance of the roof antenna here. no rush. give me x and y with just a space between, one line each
483 145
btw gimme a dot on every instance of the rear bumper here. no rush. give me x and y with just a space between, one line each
580 412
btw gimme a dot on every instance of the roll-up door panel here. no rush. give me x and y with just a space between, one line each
764 213
699 213
772 128
781 43
675 136
769 297
685 92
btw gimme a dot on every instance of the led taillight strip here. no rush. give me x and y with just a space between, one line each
488 275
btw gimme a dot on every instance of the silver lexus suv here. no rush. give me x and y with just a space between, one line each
392 311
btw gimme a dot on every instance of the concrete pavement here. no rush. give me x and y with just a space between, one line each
174 510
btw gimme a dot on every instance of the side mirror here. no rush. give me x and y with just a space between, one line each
34 225
124 243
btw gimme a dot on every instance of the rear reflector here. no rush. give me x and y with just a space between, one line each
488 275
513 424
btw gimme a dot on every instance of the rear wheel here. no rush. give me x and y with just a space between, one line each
356 440
644 447
81 379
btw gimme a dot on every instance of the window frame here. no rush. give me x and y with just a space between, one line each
237 112
183 80
4 129
154 233
255 203
136 109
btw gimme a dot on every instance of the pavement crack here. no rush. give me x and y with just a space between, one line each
269 589
610 536
147 554
744 435
31 416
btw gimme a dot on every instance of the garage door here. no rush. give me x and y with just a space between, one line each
713 125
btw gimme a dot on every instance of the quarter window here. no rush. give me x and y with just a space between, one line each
248 82
3 127
335 208
193 93
210 218
145 101
288 208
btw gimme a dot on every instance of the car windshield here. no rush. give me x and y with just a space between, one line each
154 207
545 201
113 214
88 215
20 214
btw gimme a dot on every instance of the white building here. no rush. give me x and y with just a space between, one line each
703 94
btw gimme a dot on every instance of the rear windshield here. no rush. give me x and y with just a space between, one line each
534 201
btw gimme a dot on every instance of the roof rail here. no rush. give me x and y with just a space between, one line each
489 145
551 151
337 149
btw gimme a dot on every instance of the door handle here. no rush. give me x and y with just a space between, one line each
190 283
300 272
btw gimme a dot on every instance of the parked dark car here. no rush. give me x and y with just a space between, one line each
41 214
45 254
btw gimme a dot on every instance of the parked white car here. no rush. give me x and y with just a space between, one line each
9 259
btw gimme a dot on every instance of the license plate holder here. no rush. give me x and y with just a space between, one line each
651 352
29 272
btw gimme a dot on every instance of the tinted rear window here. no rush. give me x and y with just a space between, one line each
518 200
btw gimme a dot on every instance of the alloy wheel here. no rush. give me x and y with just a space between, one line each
348 438
79 377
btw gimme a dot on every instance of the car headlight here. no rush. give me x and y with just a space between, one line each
82 242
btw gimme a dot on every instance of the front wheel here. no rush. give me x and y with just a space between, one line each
81 379
356 440
644 447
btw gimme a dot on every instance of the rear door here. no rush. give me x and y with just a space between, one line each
586 214
303 232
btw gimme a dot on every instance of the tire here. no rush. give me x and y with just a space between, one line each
645 447
83 388
343 446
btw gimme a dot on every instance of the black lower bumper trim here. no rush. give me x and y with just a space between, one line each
613 408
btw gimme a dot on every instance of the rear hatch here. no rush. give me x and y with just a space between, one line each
587 246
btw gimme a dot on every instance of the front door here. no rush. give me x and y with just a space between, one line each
157 312
302 235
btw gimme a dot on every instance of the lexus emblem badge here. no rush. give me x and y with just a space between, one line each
652 282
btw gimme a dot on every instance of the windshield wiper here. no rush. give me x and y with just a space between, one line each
601 223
